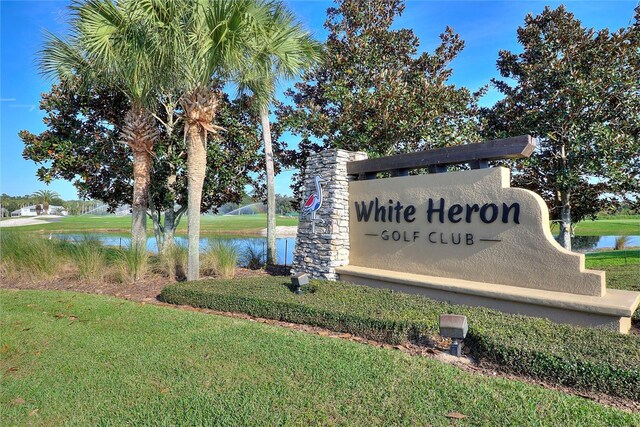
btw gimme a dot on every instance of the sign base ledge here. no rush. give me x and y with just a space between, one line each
611 311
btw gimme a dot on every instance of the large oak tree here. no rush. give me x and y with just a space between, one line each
81 145
578 91
374 92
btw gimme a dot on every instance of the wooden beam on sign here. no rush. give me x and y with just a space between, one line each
437 159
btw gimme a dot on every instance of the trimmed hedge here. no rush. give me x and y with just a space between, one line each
584 358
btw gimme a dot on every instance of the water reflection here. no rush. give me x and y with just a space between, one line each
284 246
584 243
589 243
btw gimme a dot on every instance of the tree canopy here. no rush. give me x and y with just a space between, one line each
81 145
374 92
578 91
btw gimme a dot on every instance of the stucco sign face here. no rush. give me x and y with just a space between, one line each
466 225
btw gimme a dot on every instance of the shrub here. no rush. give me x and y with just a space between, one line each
621 243
90 258
590 359
220 258
29 256
132 264
173 262
253 257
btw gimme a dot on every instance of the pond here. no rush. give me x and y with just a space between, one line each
284 246
589 243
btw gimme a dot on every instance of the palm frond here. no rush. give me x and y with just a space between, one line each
60 58
119 43
282 50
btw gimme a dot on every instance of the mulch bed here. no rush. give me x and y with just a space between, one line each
146 292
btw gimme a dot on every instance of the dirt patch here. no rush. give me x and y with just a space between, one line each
146 289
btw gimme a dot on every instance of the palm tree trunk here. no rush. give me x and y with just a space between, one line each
196 165
199 109
271 196
139 133
141 181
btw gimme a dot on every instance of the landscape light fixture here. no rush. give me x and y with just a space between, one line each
298 280
455 327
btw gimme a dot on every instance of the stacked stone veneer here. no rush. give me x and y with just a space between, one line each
318 254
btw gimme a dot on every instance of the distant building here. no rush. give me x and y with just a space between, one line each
32 211
25 211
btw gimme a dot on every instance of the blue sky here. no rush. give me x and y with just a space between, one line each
486 27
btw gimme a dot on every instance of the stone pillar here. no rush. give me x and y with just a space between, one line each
319 254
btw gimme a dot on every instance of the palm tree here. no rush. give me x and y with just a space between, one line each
222 39
116 43
45 197
287 51
210 40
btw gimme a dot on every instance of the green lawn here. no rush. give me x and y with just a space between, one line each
611 226
622 267
78 359
243 224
